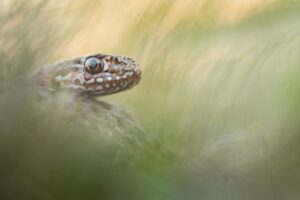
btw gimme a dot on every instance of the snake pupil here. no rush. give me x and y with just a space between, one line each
93 65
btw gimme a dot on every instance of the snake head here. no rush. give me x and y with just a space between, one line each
97 74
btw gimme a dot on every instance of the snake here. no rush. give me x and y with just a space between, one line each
91 75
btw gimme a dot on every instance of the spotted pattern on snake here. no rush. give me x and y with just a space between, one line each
79 80
91 75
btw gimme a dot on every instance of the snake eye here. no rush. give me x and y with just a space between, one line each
93 65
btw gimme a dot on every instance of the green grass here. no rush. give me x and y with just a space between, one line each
218 102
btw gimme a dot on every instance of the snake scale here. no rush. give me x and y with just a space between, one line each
91 75
84 78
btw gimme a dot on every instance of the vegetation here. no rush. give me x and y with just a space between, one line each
218 102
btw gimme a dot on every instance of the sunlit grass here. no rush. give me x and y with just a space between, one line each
218 101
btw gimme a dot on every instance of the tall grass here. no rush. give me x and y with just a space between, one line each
218 102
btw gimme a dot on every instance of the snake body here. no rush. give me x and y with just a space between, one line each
91 75
86 77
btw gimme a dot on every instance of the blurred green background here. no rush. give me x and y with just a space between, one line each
218 101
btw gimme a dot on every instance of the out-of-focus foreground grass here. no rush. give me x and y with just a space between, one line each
219 100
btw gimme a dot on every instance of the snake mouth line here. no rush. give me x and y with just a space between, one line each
102 84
